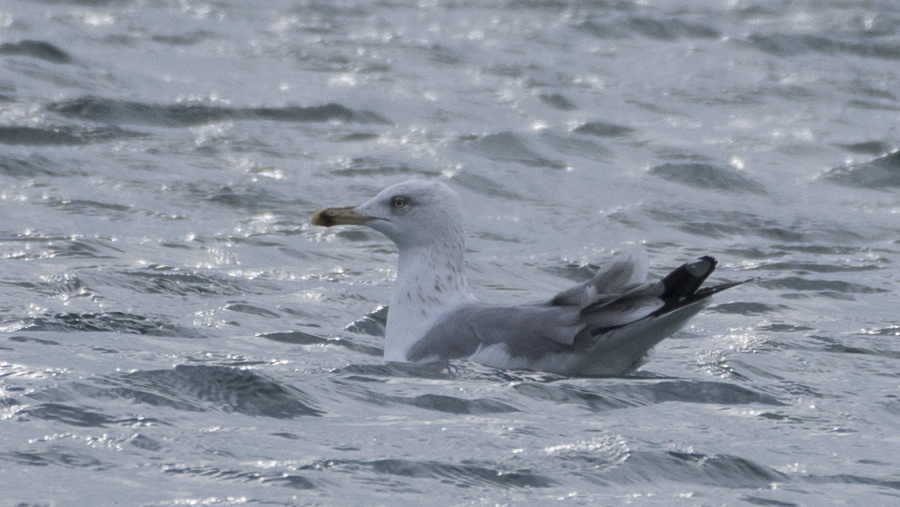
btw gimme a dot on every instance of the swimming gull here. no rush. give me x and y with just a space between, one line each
604 326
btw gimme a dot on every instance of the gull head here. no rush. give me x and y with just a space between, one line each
412 214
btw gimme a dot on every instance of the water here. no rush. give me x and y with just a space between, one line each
172 331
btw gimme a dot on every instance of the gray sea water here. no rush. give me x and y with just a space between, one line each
174 332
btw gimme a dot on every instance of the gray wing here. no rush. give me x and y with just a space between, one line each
528 331
596 315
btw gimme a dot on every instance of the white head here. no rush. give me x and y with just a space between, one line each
412 214
424 220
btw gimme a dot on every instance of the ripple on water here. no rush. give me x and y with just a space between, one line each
193 388
373 323
881 173
744 308
159 279
67 414
357 388
112 111
41 246
794 44
829 288
877 148
720 470
62 135
275 477
740 223
302 338
30 166
58 455
615 395
110 322
602 129
462 474
216 388
708 176
506 147
41 50
372 166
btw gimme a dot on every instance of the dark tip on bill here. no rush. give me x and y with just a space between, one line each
323 218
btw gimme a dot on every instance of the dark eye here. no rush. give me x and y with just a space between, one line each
399 202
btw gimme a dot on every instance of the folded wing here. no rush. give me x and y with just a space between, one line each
603 326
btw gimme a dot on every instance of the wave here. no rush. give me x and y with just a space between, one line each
707 176
463 474
302 338
62 135
109 322
719 470
193 388
106 110
881 173
795 44
293 481
57 455
506 147
41 50
611 395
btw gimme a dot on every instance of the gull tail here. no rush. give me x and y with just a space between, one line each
678 290
649 316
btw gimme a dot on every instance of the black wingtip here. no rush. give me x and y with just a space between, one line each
688 278
682 288
709 291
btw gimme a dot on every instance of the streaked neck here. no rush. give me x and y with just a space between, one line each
430 282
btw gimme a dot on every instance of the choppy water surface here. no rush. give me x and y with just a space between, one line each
174 332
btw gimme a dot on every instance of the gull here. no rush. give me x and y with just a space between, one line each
604 326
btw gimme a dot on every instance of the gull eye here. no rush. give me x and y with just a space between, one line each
399 202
